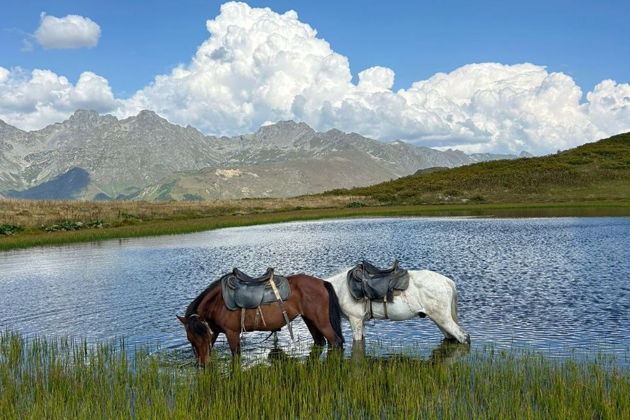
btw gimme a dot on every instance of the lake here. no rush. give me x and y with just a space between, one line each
560 286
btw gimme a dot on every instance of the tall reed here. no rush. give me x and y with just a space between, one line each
60 378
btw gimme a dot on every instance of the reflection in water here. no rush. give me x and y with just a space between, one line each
560 286
446 352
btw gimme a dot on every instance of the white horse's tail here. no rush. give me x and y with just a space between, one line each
454 305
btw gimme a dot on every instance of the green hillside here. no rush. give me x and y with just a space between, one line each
592 172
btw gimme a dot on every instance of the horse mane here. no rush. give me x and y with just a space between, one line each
192 308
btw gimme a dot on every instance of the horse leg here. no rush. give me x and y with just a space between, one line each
321 323
436 296
234 340
356 324
318 337
358 350
449 327
213 339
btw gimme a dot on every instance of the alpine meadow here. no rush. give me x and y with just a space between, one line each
314 210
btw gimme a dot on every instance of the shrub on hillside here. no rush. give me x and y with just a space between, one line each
8 229
68 225
355 204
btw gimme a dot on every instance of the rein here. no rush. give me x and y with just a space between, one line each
267 338
212 332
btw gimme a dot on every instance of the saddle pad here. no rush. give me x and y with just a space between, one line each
376 284
238 294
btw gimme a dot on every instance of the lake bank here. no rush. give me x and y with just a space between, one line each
150 223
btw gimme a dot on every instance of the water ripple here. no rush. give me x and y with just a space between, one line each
554 285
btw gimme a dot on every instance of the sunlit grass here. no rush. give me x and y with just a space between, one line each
32 215
191 223
66 379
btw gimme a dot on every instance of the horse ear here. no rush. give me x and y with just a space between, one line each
182 319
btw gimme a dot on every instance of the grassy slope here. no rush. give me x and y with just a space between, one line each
592 172
591 180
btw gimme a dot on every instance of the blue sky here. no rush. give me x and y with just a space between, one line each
586 41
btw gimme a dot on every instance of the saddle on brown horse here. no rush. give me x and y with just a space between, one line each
240 291
366 281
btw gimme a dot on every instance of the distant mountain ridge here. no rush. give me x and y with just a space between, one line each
146 157
65 185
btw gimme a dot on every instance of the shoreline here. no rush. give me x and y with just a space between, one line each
159 227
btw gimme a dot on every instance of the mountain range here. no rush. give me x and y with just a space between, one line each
92 156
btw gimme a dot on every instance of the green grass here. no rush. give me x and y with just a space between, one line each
195 224
592 172
57 379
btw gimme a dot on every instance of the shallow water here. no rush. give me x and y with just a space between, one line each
560 286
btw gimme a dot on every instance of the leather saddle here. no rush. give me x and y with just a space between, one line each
240 291
244 278
366 281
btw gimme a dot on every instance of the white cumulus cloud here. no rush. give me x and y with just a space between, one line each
33 100
609 105
258 66
376 79
72 31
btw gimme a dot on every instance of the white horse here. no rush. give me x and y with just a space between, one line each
429 294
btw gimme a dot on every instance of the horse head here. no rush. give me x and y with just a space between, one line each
200 336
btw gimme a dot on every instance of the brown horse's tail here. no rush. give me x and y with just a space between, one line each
334 312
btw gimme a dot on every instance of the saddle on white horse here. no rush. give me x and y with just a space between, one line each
366 281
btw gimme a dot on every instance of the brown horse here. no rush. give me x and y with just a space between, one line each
312 298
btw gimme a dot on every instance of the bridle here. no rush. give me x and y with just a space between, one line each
204 322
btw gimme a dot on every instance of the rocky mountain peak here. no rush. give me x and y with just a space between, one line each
147 115
283 133
147 120
83 115
87 118
6 129
334 132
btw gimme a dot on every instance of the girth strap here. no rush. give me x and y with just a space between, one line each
281 304
259 316
243 320
371 311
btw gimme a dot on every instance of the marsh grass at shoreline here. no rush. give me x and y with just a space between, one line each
153 219
62 378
